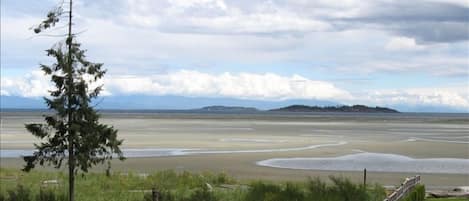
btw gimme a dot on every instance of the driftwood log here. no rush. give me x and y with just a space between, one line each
459 192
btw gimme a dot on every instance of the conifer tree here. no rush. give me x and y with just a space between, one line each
72 132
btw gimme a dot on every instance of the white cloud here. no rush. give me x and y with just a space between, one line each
192 3
464 3
435 65
33 84
260 24
228 38
4 93
266 86
216 17
452 96
243 85
403 43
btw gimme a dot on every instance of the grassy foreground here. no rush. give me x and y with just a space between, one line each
185 186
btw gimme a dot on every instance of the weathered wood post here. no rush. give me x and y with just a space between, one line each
364 178
155 195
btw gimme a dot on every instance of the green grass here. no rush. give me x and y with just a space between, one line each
118 186
183 186
447 199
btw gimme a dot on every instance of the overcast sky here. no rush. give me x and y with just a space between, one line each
376 52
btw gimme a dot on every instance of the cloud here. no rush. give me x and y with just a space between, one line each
250 86
267 86
33 84
219 17
394 40
403 43
463 3
426 21
436 66
437 32
452 96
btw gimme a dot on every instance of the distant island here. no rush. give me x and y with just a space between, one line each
220 108
345 108
301 108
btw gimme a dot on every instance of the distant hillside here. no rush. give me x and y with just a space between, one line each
21 102
144 102
355 108
219 108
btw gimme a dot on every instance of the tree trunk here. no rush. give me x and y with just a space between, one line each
71 153
71 182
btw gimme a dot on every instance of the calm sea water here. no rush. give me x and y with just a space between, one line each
250 114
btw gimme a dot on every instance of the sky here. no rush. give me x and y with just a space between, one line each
372 52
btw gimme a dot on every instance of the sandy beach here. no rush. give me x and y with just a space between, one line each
235 143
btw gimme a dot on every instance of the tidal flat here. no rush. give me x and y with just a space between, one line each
391 146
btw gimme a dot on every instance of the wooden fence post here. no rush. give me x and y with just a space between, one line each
364 178
404 189
155 195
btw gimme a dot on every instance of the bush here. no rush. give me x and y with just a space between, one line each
377 193
202 194
271 192
417 194
348 191
318 190
342 189
187 186
19 194
46 195
164 195
222 178
290 192
260 190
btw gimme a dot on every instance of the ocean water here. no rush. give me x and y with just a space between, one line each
374 162
162 152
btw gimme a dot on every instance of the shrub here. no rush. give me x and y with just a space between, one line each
377 193
222 178
46 195
291 192
202 194
317 190
19 194
260 191
341 189
164 195
50 195
271 192
417 194
348 191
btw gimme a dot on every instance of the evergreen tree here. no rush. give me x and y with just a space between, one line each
73 132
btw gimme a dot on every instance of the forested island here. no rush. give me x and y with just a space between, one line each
344 108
